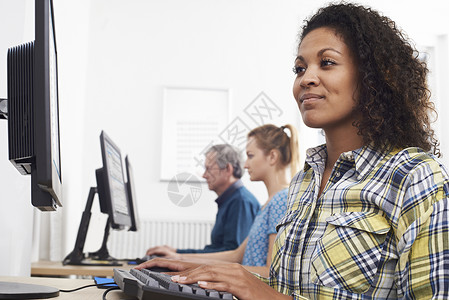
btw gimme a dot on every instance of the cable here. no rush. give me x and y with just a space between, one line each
83 287
108 290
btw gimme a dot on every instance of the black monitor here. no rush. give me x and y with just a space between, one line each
131 196
112 186
33 126
116 199
33 111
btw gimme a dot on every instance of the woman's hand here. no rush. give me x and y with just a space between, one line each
175 265
232 278
165 251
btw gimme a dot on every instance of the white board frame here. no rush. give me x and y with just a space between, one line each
191 122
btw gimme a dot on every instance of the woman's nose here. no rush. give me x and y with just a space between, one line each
310 78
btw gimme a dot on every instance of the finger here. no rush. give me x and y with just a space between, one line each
227 275
172 273
232 278
152 250
174 265
156 262
248 289
218 286
201 273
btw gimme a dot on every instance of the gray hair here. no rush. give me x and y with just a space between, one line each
226 154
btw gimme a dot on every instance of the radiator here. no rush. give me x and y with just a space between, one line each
178 234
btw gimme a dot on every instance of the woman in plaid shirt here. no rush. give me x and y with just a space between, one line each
368 216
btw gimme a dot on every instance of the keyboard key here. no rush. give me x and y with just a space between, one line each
226 295
186 289
213 294
165 281
140 276
197 290
144 278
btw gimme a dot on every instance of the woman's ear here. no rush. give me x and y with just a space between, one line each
273 156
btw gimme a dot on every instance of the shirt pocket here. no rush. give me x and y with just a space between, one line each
348 254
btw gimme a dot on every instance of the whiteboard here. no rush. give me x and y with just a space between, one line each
192 121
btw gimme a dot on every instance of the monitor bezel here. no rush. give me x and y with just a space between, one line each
132 203
47 150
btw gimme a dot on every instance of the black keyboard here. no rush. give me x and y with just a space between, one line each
146 285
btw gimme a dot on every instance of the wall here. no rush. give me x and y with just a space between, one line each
16 214
138 47
115 57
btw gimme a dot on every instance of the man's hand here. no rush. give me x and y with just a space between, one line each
164 251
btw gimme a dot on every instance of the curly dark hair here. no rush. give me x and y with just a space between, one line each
394 98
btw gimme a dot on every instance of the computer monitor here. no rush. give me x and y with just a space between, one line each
131 196
111 185
33 111
113 193
33 126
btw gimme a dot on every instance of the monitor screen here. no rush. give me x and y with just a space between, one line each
33 111
113 194
131 196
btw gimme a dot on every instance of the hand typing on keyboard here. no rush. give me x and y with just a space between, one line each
227 277
175 265
164 251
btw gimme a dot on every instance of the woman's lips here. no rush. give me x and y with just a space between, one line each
310 97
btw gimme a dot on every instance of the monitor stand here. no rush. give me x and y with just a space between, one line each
15 290
98 258
102 255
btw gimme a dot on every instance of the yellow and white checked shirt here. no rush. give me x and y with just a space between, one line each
379 230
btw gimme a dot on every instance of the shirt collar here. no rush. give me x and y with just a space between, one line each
365 158
228 192
315 156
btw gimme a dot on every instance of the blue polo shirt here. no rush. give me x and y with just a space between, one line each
237 209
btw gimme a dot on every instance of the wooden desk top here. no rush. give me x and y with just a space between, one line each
90 293
54 268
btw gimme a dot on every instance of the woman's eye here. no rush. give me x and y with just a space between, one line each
298 69
327 62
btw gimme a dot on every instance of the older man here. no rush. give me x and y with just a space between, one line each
237 207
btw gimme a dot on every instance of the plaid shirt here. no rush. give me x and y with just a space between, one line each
379 230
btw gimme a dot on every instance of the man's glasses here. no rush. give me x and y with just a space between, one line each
210 169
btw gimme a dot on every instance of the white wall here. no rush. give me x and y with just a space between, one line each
138 47
115 57
16 213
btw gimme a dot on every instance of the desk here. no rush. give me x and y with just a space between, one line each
55 268
66 283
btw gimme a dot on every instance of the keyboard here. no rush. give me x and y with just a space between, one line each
146 285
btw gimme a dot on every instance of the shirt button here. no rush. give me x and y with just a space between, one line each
337 174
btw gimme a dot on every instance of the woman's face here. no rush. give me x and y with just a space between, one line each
325 87
257 163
